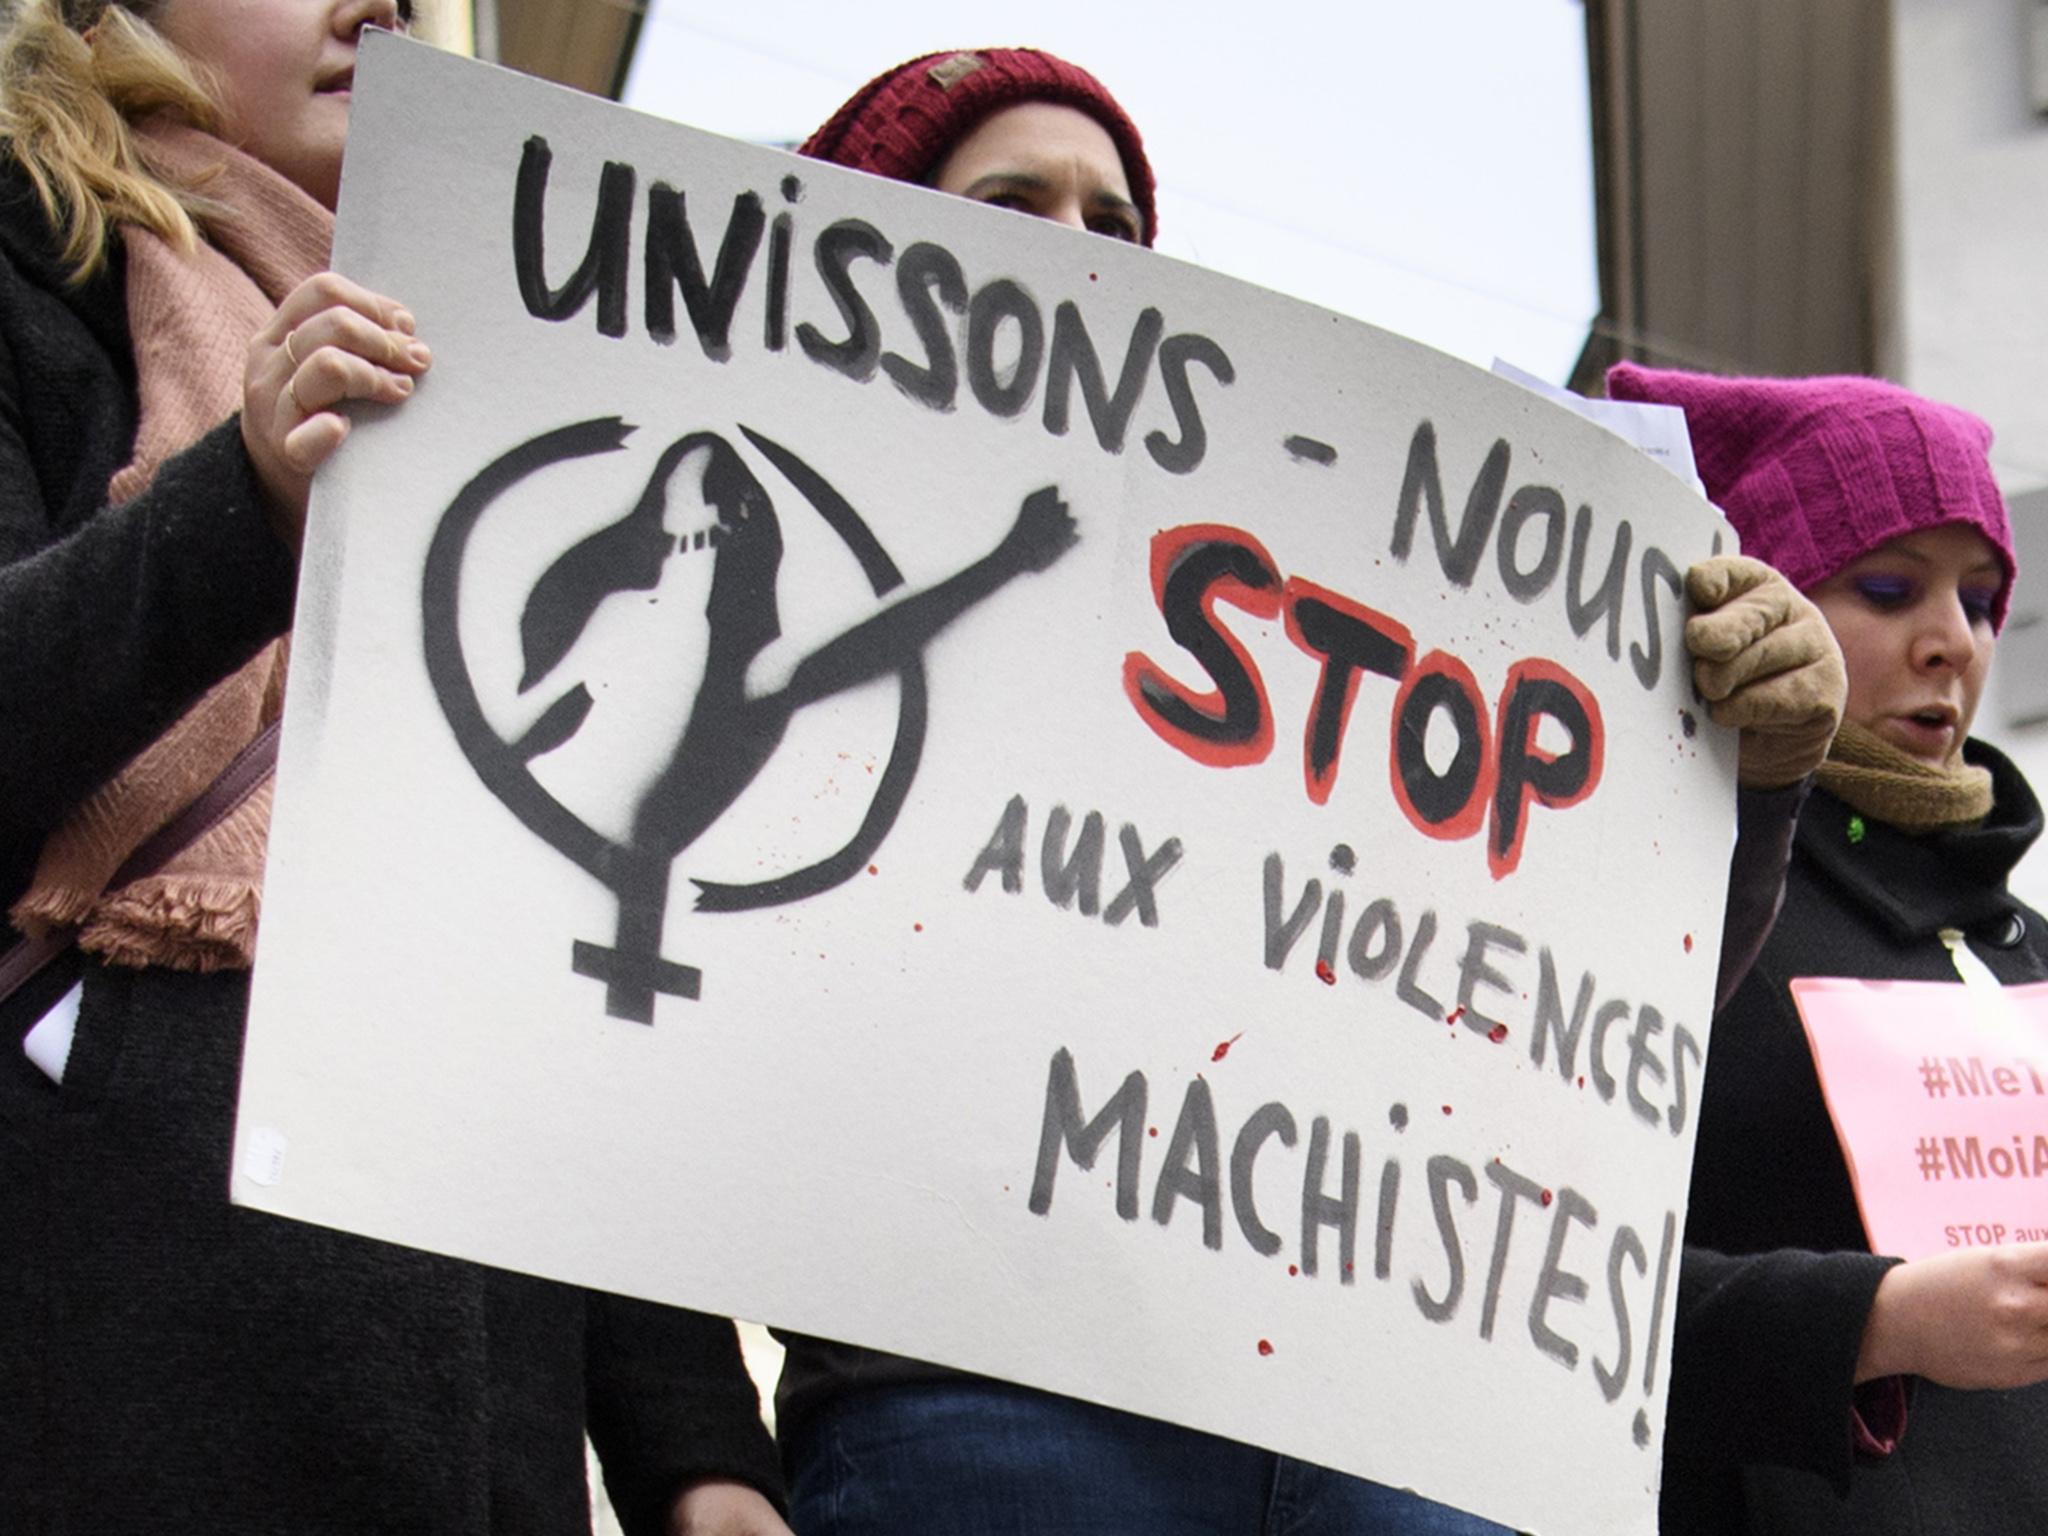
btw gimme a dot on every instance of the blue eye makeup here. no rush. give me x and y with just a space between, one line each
1885 591
1978 603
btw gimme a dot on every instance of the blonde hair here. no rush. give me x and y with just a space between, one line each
66 101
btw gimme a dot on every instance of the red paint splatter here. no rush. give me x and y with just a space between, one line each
1447 1109
1223 1049
1265 1346
1324 974
1498 1033
872 870
1091 277
1582 1082
1548 1197
1154 1131
1293 1269
918 927
1455 1014
1688 943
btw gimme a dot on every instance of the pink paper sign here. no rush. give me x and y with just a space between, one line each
1939 1094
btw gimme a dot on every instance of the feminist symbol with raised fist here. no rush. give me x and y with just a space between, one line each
730 734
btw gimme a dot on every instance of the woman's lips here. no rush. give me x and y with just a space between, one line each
1930 734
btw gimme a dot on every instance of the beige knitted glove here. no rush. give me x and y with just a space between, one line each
1767 664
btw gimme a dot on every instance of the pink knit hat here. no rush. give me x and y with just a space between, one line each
1816 473
905 121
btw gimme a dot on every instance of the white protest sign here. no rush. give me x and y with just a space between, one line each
948 783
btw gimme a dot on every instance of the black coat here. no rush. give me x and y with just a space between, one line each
112 620
168 1362
1778 1277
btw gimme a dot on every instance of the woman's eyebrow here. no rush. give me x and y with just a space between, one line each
1005 181
1110 202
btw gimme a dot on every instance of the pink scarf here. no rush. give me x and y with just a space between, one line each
191 316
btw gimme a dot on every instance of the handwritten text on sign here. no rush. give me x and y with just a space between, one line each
956 785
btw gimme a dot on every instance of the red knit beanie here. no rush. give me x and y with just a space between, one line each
906 120
1816 473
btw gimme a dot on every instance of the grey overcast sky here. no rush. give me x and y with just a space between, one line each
1426 166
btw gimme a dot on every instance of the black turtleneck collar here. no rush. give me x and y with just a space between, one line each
1919 883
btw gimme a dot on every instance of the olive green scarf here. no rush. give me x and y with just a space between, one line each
1888 785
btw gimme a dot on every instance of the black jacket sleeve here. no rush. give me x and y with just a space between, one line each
109 631
670 1404
1765 821
1764 1357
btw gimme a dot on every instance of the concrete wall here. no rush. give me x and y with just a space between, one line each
1744 206
1970 312
1971 160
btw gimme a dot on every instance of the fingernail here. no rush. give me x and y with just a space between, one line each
404 385
405 322
420 353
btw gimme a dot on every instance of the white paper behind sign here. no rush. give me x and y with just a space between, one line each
948 783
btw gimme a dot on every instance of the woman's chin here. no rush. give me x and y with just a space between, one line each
1938 746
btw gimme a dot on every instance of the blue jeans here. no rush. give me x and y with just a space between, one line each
982 1458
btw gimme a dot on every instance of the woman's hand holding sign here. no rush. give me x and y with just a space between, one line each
1767 663
720 1508
330 342
1976 1318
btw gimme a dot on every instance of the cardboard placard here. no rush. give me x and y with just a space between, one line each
875 764
1939 1096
